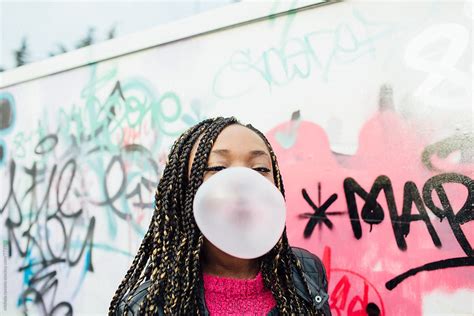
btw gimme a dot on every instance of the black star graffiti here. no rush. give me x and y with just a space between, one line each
319 216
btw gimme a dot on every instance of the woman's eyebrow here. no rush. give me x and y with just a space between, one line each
258 153
220 152
252 153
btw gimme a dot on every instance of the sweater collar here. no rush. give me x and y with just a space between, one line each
232 286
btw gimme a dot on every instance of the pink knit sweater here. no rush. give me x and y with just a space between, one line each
226 296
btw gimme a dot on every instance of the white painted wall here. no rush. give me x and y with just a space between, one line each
329 62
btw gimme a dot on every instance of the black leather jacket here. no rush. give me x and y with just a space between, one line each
313 269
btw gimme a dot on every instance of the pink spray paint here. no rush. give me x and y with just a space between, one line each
361 262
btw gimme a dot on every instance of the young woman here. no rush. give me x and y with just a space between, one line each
178 272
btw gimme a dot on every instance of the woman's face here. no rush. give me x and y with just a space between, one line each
237 146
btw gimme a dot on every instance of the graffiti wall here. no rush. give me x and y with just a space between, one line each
368 106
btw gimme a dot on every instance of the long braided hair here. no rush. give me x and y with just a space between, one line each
169 255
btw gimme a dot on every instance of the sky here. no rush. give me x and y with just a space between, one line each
47 25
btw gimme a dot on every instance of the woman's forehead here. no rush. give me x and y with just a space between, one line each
239 138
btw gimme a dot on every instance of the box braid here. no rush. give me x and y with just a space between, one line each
169 255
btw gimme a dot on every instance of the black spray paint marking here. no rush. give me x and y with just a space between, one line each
320 214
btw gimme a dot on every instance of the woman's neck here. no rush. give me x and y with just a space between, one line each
216 262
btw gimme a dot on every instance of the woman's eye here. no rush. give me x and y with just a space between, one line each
215 168
262 169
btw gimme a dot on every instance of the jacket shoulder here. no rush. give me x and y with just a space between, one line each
134 302
314 274
312 266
